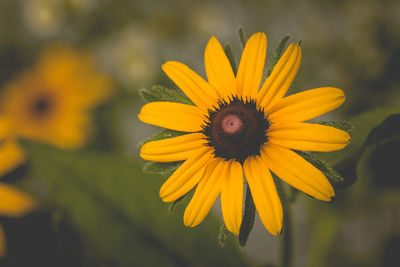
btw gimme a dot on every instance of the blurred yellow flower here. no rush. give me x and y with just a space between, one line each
51 102
12 202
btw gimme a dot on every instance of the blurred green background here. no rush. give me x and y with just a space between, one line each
99 209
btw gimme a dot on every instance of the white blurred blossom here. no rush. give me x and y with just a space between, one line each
43 17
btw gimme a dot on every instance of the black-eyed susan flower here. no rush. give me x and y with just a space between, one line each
237 129
51 102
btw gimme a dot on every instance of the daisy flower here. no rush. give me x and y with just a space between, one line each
51 102
237 130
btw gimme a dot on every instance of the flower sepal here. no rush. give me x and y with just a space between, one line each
223 235
161 93
163 168
334 177
166 133
341 125
277 54
336 180
248 218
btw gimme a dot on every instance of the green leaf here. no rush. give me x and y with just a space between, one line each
229 53
248 218
388 130
333 176
116 209
341 125
277 54
161 93
345 161
380 154
363 124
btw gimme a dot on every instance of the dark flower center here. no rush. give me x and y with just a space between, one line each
41 105
236 129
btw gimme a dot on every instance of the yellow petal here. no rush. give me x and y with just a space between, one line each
307 105
14 202
307 136
3 247
186 176
232 196
218 68
207 192
277 84
173 149
296 171
69 131
195 87
5 128
174 116
11 156
251 65
264 194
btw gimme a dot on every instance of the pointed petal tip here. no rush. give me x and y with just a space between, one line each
274 230
188 221
164 64
277 228
212 39
165 196
169 63
260 35
234 231
161 193
141 154
167 199
328 197
275 233
332 194
140 115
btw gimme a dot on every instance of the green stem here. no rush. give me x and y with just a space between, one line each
325 227
286 239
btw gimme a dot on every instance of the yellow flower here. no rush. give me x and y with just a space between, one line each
12 202
51 102
235 128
